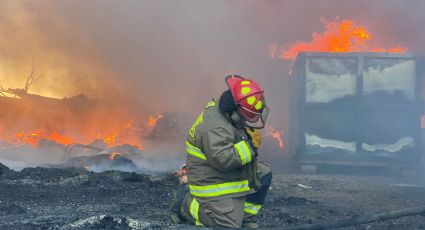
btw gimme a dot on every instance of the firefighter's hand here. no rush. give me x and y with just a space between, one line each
182 174
255 137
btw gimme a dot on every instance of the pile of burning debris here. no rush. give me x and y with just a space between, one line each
75 132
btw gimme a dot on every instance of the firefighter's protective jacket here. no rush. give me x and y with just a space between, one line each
219 156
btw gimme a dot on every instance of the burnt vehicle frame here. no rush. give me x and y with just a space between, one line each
357 117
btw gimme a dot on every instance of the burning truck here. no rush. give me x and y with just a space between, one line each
357 109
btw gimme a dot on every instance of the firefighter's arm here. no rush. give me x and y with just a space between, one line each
223 153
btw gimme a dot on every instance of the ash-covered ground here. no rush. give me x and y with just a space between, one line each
50 198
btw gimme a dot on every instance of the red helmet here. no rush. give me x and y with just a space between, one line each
248 95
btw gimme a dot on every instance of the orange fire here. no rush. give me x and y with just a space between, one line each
153 119
33 137
110 140
344 36
277 135
113 155
128 134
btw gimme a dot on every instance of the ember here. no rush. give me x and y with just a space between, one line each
113 155
344 36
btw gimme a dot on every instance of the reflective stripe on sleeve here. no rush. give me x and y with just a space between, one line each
194 211
244 152
251 208
194 151
219 189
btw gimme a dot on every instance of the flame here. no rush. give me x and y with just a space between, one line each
344 36
113 155
153 119
110 140
33 137
34 118
277 135
128 134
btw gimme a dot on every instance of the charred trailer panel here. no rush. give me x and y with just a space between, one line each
357 109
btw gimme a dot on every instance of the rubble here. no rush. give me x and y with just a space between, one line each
3 169
74 198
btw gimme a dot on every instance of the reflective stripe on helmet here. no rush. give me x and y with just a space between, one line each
245 90
245 82
219 189
259 105
244 152
251 100
194 211
194 151
252 208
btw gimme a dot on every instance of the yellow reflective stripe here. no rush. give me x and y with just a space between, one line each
251 100
198 121
252 208
244 152
259 105
194 211
211 104
219 189
245 90
194 151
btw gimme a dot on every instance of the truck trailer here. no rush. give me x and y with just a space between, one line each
356 109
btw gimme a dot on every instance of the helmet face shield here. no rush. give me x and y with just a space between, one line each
249 115
260 121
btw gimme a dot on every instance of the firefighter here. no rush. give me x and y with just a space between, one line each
227 186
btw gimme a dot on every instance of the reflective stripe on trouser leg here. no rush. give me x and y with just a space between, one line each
194 211
252 208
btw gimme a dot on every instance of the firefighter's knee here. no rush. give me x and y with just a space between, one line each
266 180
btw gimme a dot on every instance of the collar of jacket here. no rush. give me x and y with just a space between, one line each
234 118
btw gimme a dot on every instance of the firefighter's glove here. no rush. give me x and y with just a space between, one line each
255 135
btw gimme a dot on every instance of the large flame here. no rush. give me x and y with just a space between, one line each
128 134
277 135
33 137
344 36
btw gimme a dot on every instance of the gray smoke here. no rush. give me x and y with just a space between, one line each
173 55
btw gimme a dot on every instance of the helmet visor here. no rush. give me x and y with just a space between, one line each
257 120
250 115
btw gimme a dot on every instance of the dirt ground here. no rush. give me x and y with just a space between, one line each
48 198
